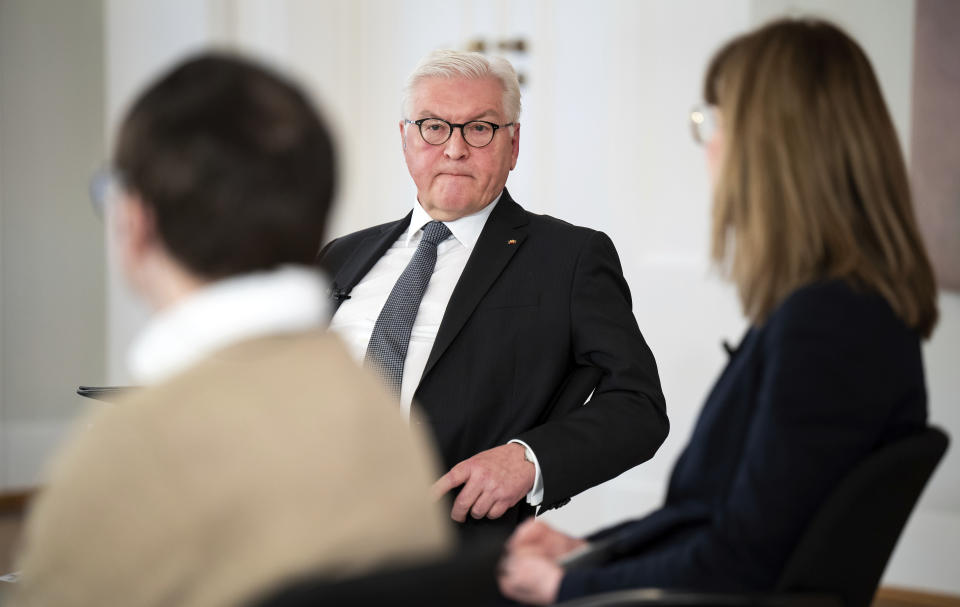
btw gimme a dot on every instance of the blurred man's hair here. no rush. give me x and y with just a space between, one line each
234 164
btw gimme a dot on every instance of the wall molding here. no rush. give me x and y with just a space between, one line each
15 502
895 596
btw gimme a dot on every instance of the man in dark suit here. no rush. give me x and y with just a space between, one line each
497 323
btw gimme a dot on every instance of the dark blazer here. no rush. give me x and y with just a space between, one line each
539 300
832 375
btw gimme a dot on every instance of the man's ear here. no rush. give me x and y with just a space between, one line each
516 146
134 228
403 135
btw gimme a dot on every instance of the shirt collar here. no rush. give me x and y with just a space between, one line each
466 229
289 299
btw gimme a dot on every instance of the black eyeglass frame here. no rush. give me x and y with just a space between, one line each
463 134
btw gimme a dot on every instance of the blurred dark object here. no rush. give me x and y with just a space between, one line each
465 579
107 394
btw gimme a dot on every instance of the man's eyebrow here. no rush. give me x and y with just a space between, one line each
482 115
485 114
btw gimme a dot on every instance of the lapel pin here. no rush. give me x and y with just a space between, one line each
511 241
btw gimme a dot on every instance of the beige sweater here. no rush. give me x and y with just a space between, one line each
273 458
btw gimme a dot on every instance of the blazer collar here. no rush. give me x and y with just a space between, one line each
499 241
367 252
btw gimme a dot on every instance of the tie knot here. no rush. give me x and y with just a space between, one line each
435 232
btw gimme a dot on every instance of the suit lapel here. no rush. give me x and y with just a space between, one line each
500 239
365 254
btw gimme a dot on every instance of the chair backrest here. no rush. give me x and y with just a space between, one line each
466 579
846 546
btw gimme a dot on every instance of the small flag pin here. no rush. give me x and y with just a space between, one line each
511 241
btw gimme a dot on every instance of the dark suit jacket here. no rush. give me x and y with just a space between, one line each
831 376
538 300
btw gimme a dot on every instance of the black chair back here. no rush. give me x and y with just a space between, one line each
465 579
845 548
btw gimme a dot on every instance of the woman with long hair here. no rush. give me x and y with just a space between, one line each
813 222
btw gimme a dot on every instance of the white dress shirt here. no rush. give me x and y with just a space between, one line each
355 318
287 300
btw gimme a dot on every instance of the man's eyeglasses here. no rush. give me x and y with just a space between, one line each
703 123
477 133
105 185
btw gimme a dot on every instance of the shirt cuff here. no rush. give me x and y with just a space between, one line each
535 497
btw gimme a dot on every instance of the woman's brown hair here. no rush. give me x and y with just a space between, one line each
812 184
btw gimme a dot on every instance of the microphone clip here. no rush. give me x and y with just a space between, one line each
339 295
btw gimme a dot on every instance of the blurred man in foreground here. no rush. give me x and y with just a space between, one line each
260 451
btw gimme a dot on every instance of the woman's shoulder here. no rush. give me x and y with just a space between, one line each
839 310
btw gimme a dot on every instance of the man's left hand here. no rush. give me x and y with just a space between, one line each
493 481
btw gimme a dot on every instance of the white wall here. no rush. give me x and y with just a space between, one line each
640 178
51 243
141 39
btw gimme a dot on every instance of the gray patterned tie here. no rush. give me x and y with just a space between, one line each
387 349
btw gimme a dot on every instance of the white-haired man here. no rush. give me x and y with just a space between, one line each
496 323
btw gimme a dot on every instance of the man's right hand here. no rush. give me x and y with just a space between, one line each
536 537
493 481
